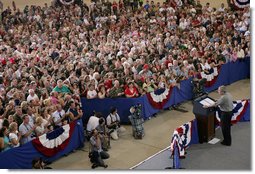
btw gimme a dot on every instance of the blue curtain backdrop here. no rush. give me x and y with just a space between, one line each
229 73
21 157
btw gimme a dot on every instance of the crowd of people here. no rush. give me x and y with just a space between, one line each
51 56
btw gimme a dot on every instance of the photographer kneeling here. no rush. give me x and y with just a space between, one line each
113 124
101 128
97 153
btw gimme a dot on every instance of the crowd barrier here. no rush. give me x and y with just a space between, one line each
21 157
187 134
229 73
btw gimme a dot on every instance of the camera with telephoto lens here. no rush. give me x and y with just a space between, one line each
138 110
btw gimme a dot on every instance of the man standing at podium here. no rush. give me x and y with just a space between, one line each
225 104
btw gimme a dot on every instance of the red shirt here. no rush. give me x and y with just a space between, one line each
129 92
114 5
108 84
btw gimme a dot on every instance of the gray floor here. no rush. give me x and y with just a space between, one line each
218 157
156 162
210 156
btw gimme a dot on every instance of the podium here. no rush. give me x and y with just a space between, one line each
205 118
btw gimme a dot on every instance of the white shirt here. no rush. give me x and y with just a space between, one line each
1 123
29 98
91 94
92 123
14 136
221 9
31 119
56 116
206 66
23 129
240 54
112 118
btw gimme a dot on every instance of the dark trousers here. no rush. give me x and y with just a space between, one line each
103 155
99 156
226 126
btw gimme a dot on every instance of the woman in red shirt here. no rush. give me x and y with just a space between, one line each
115 7
131 91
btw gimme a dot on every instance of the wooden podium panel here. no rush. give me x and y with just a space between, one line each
206 128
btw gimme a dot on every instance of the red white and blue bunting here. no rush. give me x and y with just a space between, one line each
66 2
182 138
240 107
51 143
210 78
159 100
241 3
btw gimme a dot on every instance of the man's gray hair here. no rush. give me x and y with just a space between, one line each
223 89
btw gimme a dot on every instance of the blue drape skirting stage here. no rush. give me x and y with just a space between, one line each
229 73
21 157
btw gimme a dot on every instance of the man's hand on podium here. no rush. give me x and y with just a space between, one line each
205 106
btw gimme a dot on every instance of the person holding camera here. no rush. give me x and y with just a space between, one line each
113 124
137 121
92 123
101 128
98 154
27 130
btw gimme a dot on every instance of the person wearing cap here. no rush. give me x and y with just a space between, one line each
146 71
225 103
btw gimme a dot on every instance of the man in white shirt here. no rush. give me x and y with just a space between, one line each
222 8
91 92
32 95
93 122
113 124
240 53
26 130
31 116
58 116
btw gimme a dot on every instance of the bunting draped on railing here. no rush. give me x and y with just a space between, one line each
228 74
65 141
51 143
181 138
240 107
159 98
211 77
241 3
66 2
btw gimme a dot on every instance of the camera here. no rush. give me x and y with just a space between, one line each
33 135
137 110
138 107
